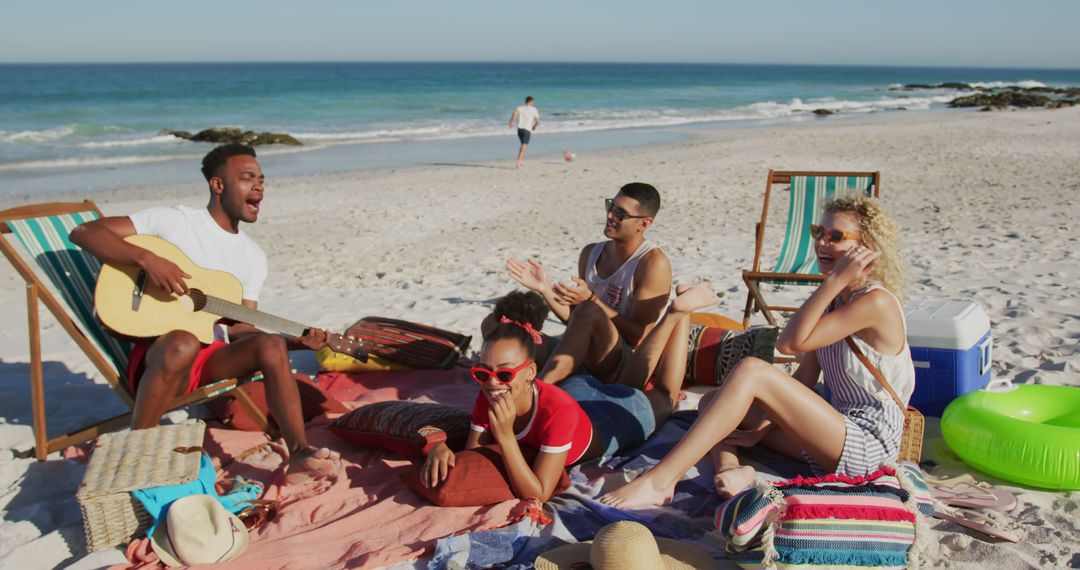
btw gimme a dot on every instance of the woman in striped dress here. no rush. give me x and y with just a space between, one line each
857 425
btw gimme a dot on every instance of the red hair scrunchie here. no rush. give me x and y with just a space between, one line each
535 334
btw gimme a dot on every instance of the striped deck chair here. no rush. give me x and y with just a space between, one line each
797 263
43 230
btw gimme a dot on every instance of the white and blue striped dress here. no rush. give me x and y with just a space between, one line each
874 421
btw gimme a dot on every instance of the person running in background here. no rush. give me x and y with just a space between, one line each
528 118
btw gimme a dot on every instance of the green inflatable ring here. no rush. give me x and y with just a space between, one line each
1029 435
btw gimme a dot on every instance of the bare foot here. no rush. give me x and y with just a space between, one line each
680 289
641 492
731 481
693 297
311 464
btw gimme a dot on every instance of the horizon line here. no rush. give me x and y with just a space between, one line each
534 62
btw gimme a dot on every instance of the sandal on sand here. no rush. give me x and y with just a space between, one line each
244 492
977 521
974 497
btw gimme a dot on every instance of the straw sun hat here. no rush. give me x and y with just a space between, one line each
626 545
198 530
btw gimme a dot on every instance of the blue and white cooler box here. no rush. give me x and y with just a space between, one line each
951 344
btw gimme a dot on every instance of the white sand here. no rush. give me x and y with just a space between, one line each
987 202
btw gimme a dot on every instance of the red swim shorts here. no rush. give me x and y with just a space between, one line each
137 363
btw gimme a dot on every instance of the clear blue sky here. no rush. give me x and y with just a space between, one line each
987 33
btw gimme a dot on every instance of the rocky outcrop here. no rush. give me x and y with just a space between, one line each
1067 91
946 85
990 99
1002 100
824 112
222 135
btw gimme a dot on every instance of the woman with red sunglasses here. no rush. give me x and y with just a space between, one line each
515 408
855 313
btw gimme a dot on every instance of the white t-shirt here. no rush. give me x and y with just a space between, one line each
527 117
202 239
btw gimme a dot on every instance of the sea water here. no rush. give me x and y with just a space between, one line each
86 127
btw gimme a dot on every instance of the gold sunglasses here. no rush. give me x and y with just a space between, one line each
832 235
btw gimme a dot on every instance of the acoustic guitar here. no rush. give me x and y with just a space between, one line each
128 304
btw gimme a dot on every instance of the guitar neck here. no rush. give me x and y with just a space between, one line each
253 317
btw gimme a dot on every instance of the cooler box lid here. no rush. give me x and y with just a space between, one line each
948 324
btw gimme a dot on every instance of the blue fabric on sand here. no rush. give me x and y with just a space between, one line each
156 500
621 415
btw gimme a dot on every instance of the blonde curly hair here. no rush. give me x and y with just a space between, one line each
879 233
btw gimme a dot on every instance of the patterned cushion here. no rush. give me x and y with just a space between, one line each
415 346
715 351
408 428
477 478
870 521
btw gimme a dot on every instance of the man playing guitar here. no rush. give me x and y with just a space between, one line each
176 362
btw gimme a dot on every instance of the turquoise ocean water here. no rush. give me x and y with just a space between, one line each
78 128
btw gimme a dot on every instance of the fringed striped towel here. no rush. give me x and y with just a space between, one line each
832 521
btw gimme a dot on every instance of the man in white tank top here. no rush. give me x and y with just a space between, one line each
622 289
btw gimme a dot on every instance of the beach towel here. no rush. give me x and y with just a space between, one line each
877 520
157 500
363 516
576 516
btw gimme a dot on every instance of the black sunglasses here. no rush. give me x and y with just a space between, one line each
619 213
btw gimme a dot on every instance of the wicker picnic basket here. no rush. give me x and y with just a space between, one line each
127 461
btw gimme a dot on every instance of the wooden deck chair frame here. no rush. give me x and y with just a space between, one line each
755 300
37 292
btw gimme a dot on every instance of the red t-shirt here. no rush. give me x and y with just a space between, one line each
557 424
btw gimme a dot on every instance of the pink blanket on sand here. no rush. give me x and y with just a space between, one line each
364 516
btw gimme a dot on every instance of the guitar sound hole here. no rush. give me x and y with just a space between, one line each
198 299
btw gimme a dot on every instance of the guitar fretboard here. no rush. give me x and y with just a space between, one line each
229 310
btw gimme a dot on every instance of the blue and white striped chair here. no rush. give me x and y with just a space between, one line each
797 263
42 230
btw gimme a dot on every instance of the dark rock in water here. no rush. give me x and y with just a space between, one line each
274 138
1068 91
177 134
1002 100
824 112
220 135
946 85
223 135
